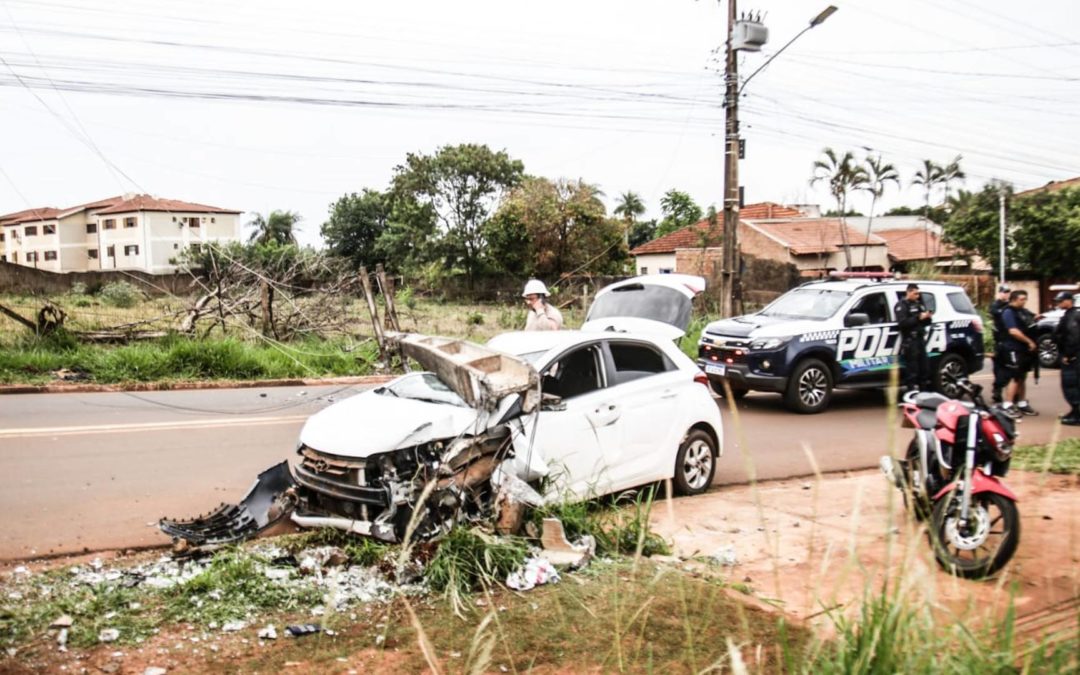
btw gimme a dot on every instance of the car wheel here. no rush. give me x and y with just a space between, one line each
1048 351
737 392
695 463
950 368
809 388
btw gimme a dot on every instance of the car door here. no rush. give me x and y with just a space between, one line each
866 353
645 384
576 418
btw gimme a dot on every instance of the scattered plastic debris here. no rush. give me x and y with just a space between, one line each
234 626
21 569
726 556
268 633
559 551
109 635
536 572
303 629
154 670
62 621
61 639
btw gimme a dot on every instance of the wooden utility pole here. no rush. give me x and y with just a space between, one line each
373 309
729 266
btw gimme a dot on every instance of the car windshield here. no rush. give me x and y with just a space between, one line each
643 301
422 387
806 303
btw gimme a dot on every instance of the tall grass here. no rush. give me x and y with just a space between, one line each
181 358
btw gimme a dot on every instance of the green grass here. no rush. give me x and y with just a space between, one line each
1063 458
359 550
616 531
178 358
468 559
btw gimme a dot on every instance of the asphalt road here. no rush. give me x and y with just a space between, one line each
96 471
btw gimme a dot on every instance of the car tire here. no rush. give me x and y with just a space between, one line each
951 365
737 392
809 387
1048 351
695 464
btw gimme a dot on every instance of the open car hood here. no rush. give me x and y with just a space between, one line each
660 304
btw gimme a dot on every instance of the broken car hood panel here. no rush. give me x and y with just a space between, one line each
370 423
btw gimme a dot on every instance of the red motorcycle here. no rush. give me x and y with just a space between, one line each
951 476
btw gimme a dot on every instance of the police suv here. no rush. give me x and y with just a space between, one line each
839 332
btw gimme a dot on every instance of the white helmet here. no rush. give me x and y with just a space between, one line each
534 287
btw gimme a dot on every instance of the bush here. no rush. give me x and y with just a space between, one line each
78 288
120 294
467 558
474 319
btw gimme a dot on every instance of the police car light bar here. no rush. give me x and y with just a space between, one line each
863 275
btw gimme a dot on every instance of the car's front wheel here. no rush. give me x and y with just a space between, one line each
695 463
809 388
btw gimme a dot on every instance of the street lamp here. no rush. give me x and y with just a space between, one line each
729 273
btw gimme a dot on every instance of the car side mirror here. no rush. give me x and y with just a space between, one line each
552 403
856 319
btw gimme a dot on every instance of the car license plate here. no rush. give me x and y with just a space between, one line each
716 369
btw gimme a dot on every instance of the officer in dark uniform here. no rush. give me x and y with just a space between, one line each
1001 373
1067 336
913 318
1020 351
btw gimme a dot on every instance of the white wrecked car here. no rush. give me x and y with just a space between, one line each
541 416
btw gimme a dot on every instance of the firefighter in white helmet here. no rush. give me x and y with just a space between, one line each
542 316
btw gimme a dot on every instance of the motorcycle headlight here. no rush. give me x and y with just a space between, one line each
766 344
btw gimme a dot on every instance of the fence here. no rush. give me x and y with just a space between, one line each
23 280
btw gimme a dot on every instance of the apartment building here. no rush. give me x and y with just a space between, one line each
132 232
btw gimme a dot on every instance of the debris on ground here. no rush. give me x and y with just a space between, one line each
558 550
153 670
109 635
268 633
63 621
234 626
535 572
301 630
726 556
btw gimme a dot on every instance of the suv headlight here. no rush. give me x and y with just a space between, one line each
767 344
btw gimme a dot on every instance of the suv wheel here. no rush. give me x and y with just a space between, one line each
809 388
1048 351
950 368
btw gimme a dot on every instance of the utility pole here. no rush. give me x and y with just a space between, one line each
1001 233
730 257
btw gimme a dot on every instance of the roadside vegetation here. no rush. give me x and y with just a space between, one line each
1062 457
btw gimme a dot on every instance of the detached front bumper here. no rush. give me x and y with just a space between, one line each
739 375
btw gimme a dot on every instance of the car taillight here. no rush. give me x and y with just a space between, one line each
700 378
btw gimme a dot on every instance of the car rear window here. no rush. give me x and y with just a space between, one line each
634 361
961 303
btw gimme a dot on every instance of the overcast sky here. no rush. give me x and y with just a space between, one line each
286 105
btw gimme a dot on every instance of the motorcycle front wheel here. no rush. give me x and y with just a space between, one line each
981 546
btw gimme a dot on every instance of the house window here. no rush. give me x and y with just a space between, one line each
31 256
1 236
111 251
133 249
193 222
666 270
31 231
50 255
91 228
3 258
213 220
195 248
644 270
48 229
129 222
91 253
110 224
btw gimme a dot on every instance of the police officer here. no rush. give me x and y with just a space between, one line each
1020 352
1001 373
913 317
1067 337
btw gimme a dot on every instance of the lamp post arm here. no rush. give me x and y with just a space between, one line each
770 59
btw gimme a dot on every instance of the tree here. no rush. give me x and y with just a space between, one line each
1047 232
560 226
355 224
630 206
929 176
842 175
878 175
974 224
643 231
678 210
441 202
276 228
850 213
950 173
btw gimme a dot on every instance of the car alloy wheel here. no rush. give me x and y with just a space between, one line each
813 386
1048 352
952 371
697 464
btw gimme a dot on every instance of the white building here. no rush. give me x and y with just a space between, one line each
133 232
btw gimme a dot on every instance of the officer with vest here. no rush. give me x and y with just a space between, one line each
1067 337
1001 373
913 318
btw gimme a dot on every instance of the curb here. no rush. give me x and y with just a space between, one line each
79 388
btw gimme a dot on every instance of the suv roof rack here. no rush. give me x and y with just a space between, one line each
876 276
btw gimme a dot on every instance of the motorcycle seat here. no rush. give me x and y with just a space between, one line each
927 418
930 400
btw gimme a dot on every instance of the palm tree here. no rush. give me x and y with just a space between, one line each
929 176
842 174
950 173
277 227
630 206
878 174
